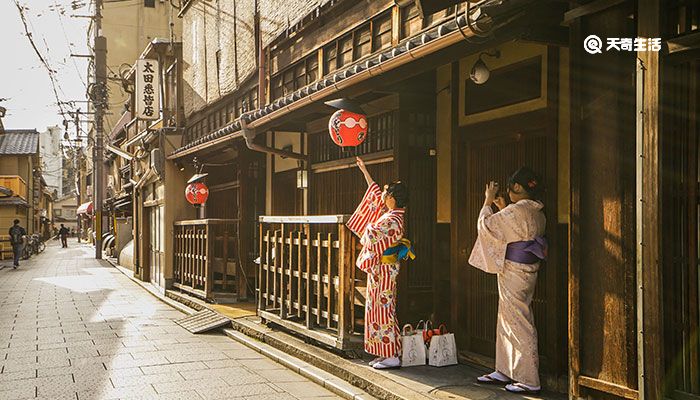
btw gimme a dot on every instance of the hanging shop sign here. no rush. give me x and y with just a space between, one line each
197 193
147 89
347 128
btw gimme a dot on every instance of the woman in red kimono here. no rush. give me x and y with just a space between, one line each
379 221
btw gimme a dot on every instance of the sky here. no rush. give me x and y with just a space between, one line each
25 88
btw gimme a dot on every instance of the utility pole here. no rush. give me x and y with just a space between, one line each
77 170
99 98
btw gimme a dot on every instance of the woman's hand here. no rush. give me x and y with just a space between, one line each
363 168
500 202
490 193
361 164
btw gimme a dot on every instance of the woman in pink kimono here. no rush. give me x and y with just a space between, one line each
510 244
379 221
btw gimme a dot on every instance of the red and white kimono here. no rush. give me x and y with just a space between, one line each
378 229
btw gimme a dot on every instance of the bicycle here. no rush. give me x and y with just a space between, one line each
33 245
27 250
39 244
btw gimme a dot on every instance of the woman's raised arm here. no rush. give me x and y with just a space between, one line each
363 168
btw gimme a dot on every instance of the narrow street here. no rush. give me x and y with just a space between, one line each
74 328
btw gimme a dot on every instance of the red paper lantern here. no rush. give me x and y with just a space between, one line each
347 128
196 193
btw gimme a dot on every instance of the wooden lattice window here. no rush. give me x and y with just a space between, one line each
300 75
288 81
381 32
276 87
253 96
330 55
241 105
312 68
230 112
345 51
297 76
411 21
362 39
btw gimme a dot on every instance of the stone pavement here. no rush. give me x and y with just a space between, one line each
74 328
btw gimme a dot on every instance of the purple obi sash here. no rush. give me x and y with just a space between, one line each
527 251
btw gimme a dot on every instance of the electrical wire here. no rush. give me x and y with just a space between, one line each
70 46
51 71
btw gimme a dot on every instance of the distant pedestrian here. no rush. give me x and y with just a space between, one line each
63 233
17 234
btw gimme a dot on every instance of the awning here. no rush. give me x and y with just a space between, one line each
123 120
13 201
85 208
121 153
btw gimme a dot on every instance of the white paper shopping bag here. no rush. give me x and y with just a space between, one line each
443 349
413 347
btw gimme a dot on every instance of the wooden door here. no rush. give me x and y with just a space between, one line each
681 224
156 244
494 152
603 260
416 165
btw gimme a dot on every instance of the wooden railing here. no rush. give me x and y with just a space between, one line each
16 184
307 279
206 257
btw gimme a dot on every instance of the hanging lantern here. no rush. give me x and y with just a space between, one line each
196 193
347 128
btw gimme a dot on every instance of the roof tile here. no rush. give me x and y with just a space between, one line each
19 141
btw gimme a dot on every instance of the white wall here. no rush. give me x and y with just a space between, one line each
52 158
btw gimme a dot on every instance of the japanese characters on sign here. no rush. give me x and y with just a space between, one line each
593 44
147 89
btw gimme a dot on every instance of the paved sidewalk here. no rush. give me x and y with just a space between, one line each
73 328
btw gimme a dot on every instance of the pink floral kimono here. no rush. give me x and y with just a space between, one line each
516 336
378 229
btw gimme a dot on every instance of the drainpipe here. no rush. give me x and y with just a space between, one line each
249 136
639 224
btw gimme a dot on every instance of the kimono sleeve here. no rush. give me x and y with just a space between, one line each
381 235
493 234
369 210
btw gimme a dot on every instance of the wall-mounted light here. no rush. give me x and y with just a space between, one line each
480 72
302 179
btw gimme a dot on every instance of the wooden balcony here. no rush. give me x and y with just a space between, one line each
307 279
16 184
207 258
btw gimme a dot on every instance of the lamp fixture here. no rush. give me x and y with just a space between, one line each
302 179
480 72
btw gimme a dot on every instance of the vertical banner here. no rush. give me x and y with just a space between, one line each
147 89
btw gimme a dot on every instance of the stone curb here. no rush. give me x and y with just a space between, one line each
317 375
374 383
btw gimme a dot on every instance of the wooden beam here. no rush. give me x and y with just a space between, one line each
684 43
607 387
651 327
590 8
574 231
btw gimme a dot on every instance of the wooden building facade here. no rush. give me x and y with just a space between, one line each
614 136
